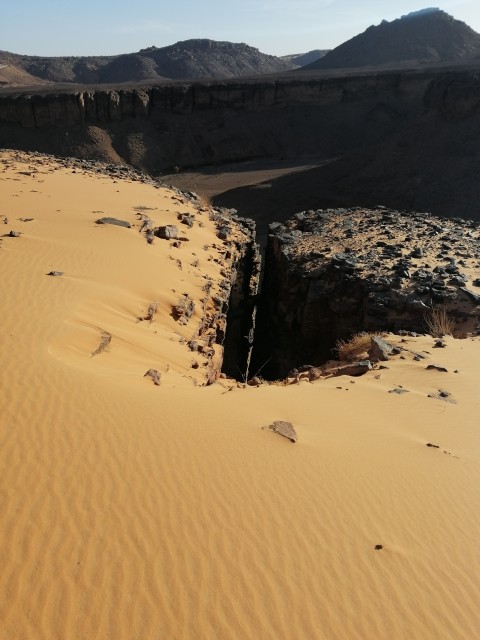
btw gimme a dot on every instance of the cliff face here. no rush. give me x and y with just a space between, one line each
159 127
111 106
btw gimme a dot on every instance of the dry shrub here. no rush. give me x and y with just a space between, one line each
438 322
204 202
355 346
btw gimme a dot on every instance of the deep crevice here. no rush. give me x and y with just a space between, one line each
241 314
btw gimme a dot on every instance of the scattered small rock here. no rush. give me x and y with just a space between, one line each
378 547
55 273
187 220
184 309
154 375
14 234
314 374
436 367
104 342
439 344
434 446
151 311
446 396
399 391
285 429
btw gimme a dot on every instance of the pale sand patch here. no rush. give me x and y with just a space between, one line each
136 511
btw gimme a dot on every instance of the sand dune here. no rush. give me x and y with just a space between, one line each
131 511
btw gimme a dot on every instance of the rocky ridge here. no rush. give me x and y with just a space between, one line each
332 273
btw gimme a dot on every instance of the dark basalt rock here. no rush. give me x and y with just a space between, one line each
474 297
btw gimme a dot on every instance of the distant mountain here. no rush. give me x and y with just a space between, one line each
422 37
188 59
301 59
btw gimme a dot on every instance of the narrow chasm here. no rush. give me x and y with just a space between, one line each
241 314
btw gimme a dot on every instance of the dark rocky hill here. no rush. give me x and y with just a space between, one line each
423 37
188 59
212 59
301 59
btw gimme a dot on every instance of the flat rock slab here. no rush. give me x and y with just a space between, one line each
285 429
114 221
353 369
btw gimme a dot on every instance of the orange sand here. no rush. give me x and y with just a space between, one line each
136 512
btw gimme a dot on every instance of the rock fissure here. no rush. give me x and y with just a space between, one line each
331 274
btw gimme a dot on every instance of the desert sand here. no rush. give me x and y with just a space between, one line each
132 511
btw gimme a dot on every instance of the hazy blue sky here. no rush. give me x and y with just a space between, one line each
58 27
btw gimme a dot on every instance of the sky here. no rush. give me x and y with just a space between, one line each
277 27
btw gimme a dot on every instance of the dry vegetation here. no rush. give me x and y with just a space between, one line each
356 346
438 323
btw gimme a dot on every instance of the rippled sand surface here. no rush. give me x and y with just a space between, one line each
131 511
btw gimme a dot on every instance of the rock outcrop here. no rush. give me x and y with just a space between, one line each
332 273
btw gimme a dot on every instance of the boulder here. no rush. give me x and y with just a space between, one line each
379 350
167 232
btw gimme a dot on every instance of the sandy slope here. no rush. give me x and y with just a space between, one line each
135 512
